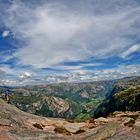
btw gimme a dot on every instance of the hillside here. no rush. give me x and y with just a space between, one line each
124 97
118 101
78 101
65 100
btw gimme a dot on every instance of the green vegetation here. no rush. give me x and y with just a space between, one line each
82 117
79 100
125 97
44 111
25 100
132 91
93 104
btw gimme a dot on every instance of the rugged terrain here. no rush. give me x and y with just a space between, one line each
125 96
78 101
94 111
18 125
65 100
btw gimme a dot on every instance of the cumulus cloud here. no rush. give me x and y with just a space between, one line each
14 72
54 33
25 75
5 33
14 76
95 75
122 71
26 78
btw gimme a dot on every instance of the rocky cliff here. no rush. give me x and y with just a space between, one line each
125 96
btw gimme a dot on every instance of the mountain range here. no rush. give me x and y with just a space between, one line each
103 110
78 101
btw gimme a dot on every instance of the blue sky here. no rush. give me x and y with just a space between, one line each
68 40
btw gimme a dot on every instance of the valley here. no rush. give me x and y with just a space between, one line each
104 110
63 100
77 101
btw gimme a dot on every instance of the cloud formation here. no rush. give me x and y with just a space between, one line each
25 75
134 48
77 76
52 35
5 33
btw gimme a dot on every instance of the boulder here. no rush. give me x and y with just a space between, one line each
101 120
128 122
74 127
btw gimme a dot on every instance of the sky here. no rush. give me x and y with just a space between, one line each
68 40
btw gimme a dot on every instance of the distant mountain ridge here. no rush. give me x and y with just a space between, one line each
78 100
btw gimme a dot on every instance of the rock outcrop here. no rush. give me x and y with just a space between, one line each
18 125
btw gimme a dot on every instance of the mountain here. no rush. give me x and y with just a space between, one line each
113 105
78 101
125 96
65 100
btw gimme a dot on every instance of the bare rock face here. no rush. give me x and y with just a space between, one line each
74 127
137 124
101 120
57 104
129 122
48 106
105 132
18 125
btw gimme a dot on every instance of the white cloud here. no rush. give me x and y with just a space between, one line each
75 68
121 71
25 78
5 33
91 64
8 82
95 75
25 75
54 33
16 73
61 31
134 48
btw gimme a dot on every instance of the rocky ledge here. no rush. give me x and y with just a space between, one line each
18 125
